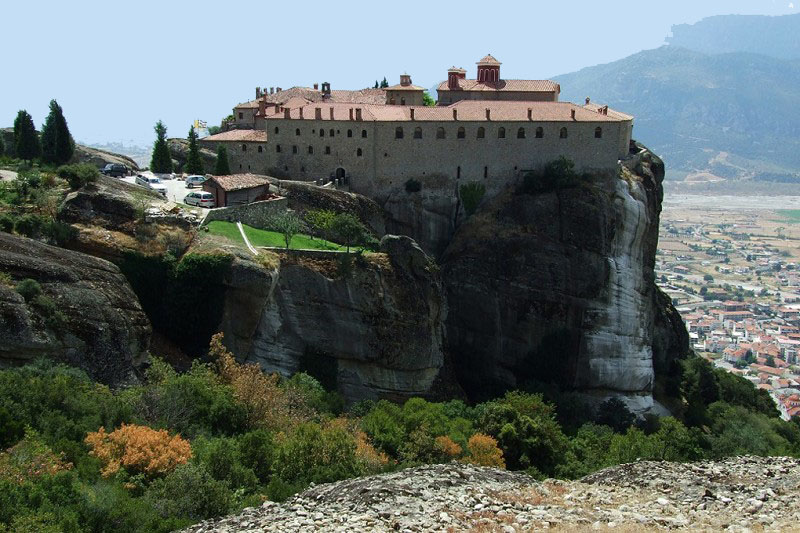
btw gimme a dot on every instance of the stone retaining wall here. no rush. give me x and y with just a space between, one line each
254 215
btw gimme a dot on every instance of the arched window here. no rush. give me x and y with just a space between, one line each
278 148
310 149
398 132
461 133
440 133
481 133
260 149
276 130
321 132
563 133
297 131
539 132
363 134
402 101
327 149
501 133
244 148
331 132
598 132
521 133
294 149
485 172
359 152
349 133
418 133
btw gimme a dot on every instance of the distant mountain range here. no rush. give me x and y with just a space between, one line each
732 114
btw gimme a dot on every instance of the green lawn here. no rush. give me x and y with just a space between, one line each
791 215
260 237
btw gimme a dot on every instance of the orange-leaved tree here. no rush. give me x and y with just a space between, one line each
138 449
268 405
483 451
448 448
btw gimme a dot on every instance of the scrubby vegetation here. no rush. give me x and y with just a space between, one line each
179 448
558 174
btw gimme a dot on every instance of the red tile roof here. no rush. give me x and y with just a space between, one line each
489 59
238 136
236 182
362 96
400 87
466 111
505 86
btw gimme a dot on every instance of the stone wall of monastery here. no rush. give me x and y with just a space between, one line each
242 160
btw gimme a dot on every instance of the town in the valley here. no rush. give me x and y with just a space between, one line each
733 271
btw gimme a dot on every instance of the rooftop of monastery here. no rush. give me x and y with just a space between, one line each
504 85
465 110
238 135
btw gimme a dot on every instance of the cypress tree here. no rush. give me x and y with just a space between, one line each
2 146
384 83
57 143
222 168
194 164
26 141
161 161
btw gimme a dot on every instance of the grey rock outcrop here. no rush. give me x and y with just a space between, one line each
737 494
104 330
559 287
375 327
179 151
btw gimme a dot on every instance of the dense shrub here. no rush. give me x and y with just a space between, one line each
190 492
557 174
30 225
471 195
29 289
483 451
138 449
78 175
615 414
7 221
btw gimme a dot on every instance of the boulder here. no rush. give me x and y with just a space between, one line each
100 326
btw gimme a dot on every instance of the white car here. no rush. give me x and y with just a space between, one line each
200 199
151 182
191 181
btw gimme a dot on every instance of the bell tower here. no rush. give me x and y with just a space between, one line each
488 70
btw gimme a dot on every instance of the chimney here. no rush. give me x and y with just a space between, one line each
455 114
287 112
301 112
262 107
588 100
272 90
318 113
316 86
605 110
351 113
572 113
488 114
331 110
358 113
258 93
530 114
278 89
412 113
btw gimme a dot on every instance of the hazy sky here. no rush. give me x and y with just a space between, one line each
116 67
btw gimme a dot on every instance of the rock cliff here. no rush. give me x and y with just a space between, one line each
100 326
374 328
737 494
559 287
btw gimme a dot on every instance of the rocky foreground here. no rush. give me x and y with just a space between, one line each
737 494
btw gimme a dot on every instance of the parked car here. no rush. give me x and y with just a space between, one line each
191 181
200 199
115 169
151 182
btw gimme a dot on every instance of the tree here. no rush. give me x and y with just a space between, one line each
288 224
320 220
138 449
161 161
57 143
427 100
376 84
348 229
471 195
2 147
615 414
483 451
221 168
770 361
384 83
194 164
26 142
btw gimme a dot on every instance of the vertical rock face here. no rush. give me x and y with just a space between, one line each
377 331
559 287
100 327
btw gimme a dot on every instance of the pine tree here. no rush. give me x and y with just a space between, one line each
222 168
26 141
384 83
376 84
57 143
161 162
2 147
194 164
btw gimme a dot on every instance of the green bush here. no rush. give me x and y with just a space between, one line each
471 195
30 225
313 453
557 174
190 492
78 175
615 414
222 459
7 222
29 289
59 233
